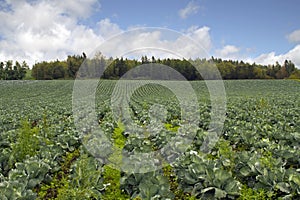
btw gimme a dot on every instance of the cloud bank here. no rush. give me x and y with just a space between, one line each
45 30
49 30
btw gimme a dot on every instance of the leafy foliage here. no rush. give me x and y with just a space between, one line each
256 157
116 68
10 71
27 143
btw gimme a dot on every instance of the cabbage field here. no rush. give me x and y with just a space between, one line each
44 156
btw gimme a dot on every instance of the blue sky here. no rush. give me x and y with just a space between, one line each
262 31
261 25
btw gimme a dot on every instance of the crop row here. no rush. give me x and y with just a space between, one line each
44 155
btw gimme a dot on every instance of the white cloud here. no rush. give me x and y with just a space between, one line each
294 55
191 8
46 30
108 29
201 36
159 42
272 58
228 52
235 53
294 36
268 58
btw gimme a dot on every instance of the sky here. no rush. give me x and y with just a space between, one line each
260 31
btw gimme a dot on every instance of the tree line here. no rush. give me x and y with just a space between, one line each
116 68
65 69
13 71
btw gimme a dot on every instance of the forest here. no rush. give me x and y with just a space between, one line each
117 67
13 71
